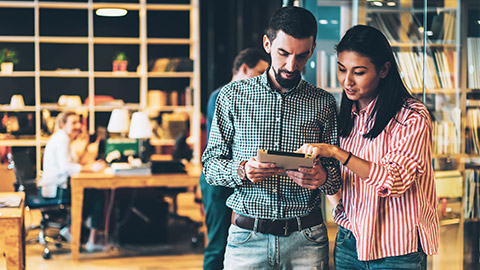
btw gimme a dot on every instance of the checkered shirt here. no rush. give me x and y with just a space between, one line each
251 115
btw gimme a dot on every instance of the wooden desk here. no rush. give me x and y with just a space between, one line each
82 181
11 222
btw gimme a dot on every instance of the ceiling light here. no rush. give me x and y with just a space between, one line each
111 12
378 4
429 33
478 21
323 21
391 4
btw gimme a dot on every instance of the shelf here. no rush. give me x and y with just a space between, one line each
174 41
56 107
407 10
108 108
17 39
171 108
452 156
19 74
128 6
452 221
437 91
395 44
170 74
18 142
87 48
98 40
172 7
66 73
116 74
7 108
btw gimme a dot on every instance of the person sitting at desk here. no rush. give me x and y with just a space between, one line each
59 163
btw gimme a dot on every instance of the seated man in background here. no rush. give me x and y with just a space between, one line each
59 163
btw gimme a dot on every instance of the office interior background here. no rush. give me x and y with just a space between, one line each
179 51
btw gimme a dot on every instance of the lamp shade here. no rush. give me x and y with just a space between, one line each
118 122
140 127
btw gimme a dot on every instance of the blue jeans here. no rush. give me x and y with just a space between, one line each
346 256
306 249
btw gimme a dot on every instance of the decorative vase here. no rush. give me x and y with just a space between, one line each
119 65
7 67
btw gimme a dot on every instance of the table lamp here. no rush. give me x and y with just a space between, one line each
118 122
141 130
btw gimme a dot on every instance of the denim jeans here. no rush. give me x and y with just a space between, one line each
306 249
346 256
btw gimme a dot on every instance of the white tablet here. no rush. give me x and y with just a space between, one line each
286 160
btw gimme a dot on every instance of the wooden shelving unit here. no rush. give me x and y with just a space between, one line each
92 68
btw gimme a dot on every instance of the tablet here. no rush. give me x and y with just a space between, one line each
286 160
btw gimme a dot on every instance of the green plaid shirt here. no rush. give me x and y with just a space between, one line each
250 115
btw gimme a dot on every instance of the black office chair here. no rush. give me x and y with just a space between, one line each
55 211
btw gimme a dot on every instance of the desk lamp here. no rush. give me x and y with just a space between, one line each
118 122
141 129
118 147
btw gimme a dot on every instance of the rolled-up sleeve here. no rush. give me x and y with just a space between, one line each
405 160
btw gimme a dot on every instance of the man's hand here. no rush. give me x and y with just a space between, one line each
257 171
310 178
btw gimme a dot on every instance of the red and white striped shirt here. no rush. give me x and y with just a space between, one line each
398 199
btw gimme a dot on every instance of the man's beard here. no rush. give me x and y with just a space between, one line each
287 83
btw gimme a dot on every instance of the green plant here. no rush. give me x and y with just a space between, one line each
8 55
120 56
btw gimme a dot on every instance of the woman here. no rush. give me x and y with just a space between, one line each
59 163
388 218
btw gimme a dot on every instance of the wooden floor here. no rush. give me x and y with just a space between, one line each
449 258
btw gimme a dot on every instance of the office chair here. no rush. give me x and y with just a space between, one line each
54 211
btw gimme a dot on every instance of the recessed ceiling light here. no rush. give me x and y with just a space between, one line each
111 12
378 4
391 4
323 21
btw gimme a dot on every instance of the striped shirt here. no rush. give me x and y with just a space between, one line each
251 115
397 203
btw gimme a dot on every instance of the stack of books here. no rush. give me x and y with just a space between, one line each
123 168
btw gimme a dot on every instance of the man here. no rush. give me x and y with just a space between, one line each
276 220
248 63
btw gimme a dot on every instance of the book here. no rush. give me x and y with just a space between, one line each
13 201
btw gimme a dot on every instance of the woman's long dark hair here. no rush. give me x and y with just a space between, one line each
391 92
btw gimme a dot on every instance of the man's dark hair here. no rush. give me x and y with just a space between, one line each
250 57
293 21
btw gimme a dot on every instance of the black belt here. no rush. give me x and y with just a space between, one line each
278 227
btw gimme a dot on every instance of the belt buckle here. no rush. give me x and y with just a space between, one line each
285 227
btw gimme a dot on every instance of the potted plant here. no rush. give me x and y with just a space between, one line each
8 57
120 62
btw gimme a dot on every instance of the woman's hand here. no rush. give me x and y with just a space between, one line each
318 149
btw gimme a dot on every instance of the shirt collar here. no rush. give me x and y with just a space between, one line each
267 83
365 111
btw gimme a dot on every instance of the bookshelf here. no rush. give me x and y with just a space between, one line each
436 44
65 49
